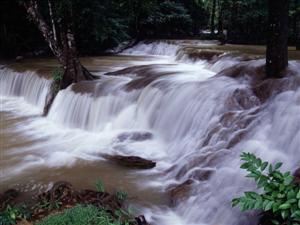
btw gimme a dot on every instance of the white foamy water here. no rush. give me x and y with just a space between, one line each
28 85
194 124
155 48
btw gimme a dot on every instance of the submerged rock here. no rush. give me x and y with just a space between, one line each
131 161
134 136
180 192
141 220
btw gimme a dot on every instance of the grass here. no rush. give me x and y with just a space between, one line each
83 215
100 185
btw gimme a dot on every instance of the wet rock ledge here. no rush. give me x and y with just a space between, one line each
133 162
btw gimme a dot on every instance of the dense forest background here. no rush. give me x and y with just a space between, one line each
103 24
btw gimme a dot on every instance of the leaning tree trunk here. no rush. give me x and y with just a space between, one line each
63 48
277 43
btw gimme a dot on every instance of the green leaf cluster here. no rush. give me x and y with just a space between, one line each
49 205
12 214
280 196
57 74
121 195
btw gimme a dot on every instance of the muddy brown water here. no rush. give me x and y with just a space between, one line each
83 174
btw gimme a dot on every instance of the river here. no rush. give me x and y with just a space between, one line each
190 106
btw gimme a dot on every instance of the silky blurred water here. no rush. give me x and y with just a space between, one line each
196 123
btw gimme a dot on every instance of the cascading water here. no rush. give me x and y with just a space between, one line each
193 123
156 48
27 85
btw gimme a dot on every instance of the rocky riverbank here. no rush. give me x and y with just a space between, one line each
61 199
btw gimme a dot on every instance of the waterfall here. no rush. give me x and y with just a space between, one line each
153 48
27 85
274 137
195 117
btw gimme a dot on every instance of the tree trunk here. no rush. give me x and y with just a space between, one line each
4 40
297 25
63 48
232 29
277 42
298 35
52 20
220 18
213 15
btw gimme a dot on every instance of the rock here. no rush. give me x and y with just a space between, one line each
266 219
19 57
180 192
236 139
10 194
24 222
99 199
141 220
271 87
202 174
297 176
64 193
131 161
134 136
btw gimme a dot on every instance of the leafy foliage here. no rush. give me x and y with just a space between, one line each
50 205
102 24
166 19
88 215
100 186
57 74
13 213
280 196
121 195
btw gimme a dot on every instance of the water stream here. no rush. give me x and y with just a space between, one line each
160 101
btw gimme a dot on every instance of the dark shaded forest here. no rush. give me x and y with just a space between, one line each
103 24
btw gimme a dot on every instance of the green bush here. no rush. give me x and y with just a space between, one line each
57 74
13 213
280 197
79 215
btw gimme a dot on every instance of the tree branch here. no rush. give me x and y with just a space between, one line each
32 9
